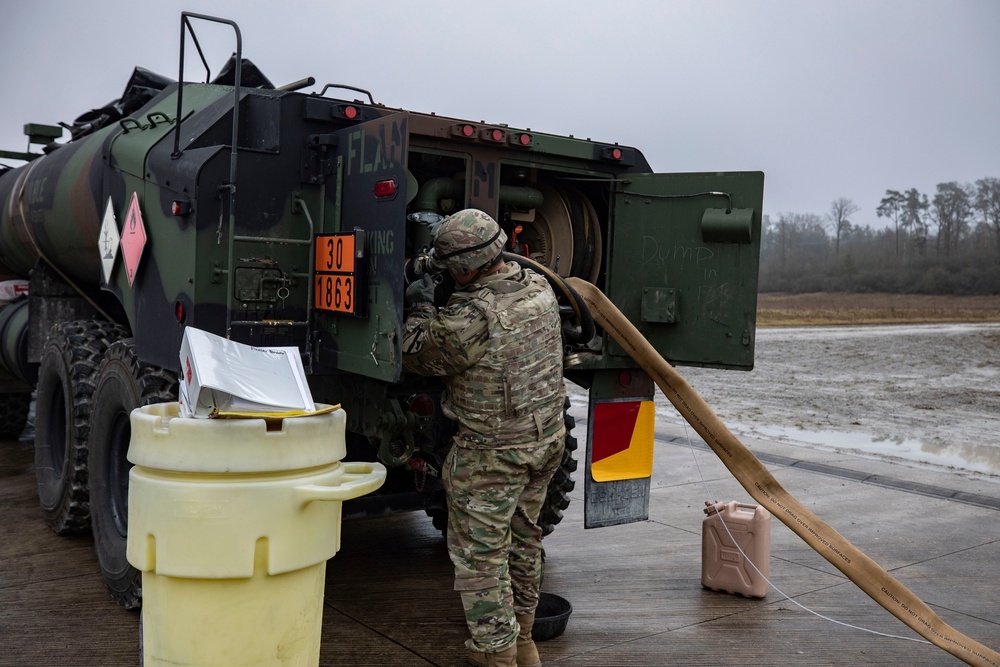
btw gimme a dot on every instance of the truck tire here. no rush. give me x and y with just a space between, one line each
13 414
557 497
123 384
73 351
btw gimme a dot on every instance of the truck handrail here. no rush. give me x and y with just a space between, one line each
231 186
371 100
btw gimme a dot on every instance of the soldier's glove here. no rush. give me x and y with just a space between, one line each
422 262
420 291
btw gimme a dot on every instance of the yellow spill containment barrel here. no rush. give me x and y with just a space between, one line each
231 522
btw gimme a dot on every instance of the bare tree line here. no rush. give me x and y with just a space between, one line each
947 244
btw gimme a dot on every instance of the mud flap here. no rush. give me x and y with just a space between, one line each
619 462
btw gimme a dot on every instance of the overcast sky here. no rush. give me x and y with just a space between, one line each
834 98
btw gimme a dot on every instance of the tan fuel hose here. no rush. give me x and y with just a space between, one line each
755 478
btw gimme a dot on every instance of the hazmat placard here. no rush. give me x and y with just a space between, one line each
109 242
133 239
220 378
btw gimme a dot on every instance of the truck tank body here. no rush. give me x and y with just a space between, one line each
54 206
51 209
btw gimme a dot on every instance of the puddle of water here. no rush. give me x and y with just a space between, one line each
974 457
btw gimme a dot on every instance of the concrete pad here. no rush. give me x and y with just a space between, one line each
636 589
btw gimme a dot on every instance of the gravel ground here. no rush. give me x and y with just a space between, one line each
927 394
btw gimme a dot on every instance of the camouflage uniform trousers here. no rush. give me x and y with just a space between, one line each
494 540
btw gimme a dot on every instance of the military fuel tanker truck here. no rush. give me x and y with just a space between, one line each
278 217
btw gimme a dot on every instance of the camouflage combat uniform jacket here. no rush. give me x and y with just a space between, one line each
498 346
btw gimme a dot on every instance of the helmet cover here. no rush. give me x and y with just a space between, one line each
468 240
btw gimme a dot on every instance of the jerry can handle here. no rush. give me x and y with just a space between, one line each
759 511
358 479
718 507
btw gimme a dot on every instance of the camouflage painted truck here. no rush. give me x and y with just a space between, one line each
274 216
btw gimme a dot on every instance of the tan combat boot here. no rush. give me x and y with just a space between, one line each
505 658
527 653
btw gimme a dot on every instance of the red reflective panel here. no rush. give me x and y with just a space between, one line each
622 445
613 427
386 188
179 312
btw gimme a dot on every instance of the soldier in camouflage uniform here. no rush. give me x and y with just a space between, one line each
497 345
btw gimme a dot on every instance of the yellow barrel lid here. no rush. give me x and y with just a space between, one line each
164 440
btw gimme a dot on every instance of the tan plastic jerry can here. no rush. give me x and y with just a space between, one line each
736 548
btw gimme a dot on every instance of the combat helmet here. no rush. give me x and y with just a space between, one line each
468 240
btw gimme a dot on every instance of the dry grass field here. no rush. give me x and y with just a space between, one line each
851 309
